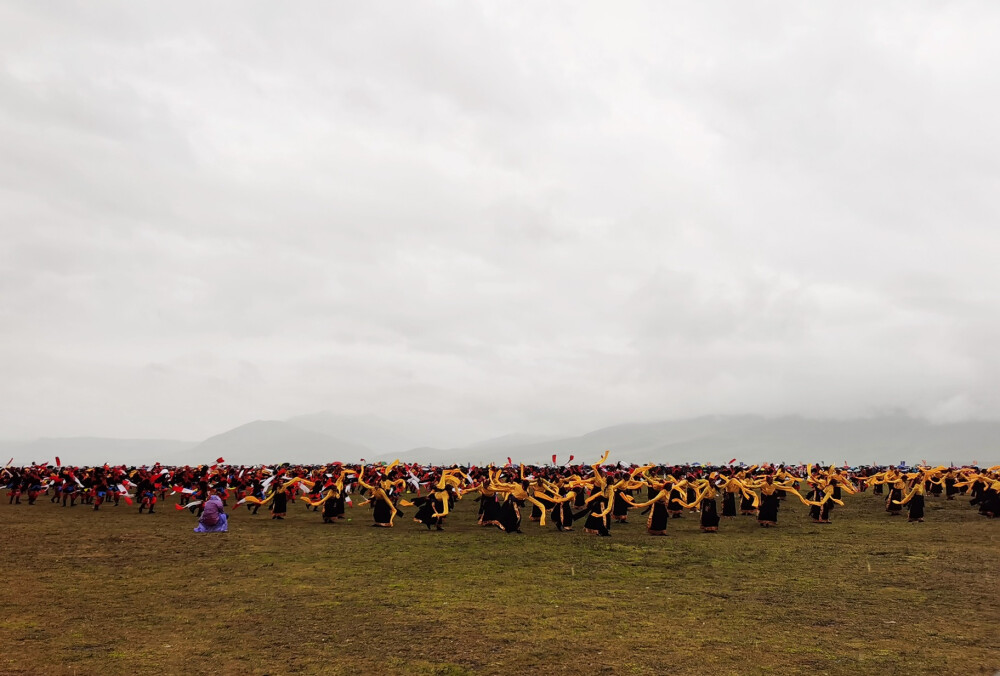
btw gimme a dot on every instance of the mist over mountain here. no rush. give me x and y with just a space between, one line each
95 450
274 441
379 434
750 439
707 439
512 440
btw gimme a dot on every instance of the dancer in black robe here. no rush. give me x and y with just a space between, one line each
914 500
656 523
621 506
333 506
510 514
892 502
949 486
598 513
705 492
675 503
815 510
562 509
425 512
279 505
767 513
728 504
489 507
770 499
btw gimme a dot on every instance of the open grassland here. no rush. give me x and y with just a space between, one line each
115 592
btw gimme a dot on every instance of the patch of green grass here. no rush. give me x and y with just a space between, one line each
115 592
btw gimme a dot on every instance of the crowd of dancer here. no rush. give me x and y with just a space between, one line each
599 495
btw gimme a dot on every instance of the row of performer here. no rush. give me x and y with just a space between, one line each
599 495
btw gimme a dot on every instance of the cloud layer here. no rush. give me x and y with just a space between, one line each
543 217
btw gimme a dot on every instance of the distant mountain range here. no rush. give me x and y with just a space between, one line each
372 431
325 437
752 439
268 441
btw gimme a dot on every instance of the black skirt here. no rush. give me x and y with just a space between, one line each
510 515
658 518
674 505
989 504
620 509
330 509
597 524
425 511
890 504
768 512
381 512
815 512
729 504
536 512
949 487
562 515
489 510
916 505
709 514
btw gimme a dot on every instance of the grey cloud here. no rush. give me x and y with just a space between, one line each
494 217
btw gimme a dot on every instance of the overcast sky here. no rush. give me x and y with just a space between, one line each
542 217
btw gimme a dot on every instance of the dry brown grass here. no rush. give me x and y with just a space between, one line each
115 592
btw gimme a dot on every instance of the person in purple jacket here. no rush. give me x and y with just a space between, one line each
213 519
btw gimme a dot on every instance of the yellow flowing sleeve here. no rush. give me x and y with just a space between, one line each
639 505
558 499
697 500
611 503
443 497
315 503
802 499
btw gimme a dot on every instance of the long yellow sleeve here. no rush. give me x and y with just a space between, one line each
443 497
662 495
790 489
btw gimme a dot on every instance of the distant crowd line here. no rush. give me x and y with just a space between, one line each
599 494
